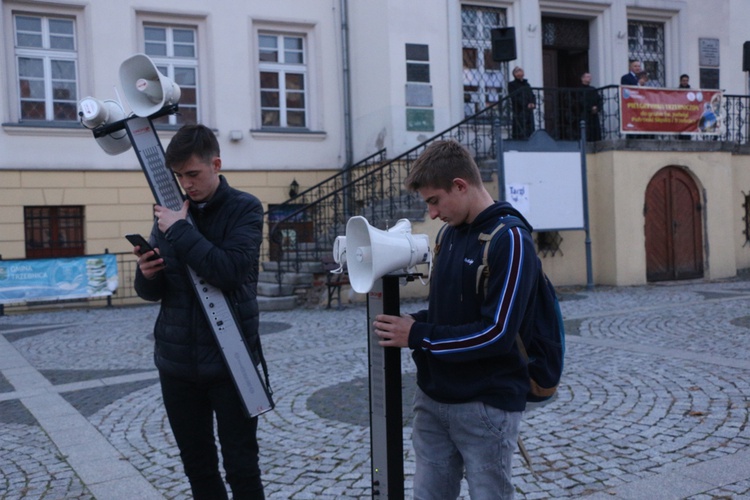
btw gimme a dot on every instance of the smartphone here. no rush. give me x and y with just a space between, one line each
139 241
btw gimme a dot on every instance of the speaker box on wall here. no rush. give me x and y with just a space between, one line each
746 56
503 44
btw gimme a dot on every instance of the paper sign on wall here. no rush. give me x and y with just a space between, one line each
518 196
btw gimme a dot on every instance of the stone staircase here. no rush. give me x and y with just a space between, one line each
306 286
298 288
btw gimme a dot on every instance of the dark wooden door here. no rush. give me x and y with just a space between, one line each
565 48
674 227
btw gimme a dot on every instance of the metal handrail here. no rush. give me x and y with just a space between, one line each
378 194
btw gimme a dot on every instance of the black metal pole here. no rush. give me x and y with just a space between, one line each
386 412
585 189
500 159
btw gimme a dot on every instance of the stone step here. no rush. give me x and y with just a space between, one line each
277 303
274 290
287 278
304 267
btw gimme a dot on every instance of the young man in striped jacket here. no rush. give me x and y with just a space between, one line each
472 380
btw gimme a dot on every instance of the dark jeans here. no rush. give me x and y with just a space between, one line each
190 407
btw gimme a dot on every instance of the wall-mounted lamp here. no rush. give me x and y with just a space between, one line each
621 34
531 27
235 135
293 189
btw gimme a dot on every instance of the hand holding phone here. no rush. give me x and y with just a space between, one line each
150 266
143 246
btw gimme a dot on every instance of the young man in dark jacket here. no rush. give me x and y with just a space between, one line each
472 380
222 247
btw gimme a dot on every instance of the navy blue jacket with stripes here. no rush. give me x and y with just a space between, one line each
464 345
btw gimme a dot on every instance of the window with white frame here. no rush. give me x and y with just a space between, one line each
283 80
174 50
47 67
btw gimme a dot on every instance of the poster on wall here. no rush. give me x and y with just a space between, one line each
37 280
546 187
670 111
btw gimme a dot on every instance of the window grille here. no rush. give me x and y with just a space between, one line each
483 78
54 231
548 243
646 44
564 33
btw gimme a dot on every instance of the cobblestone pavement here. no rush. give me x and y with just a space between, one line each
654 402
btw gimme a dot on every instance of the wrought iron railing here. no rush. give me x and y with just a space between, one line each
558 112
302 230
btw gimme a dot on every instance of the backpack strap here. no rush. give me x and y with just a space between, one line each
483 271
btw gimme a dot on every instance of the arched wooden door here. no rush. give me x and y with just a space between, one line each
674 235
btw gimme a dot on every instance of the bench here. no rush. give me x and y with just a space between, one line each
334 281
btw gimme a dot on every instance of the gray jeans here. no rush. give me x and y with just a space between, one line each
449 439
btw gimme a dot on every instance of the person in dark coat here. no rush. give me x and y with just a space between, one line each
684 81
523 103
222 246
631 78
591 105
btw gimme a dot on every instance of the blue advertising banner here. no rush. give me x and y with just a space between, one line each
57 279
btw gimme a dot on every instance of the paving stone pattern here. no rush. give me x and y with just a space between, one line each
656 384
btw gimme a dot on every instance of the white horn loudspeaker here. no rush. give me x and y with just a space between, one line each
372 253
95 113
146 88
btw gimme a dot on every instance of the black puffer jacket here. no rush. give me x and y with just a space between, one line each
222 248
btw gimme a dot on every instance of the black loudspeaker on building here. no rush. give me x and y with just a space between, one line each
503 44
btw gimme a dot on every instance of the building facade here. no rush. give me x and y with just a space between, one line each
296 91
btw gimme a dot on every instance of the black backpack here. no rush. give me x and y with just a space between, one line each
543 341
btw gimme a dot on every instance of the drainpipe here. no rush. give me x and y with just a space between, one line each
346 79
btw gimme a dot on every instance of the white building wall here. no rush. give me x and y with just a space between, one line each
108 32
264 163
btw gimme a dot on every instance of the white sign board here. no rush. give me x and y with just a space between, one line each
547 188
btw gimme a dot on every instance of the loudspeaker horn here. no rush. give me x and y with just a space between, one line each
146 88
372 253
95 113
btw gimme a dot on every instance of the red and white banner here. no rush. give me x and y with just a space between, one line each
670 111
